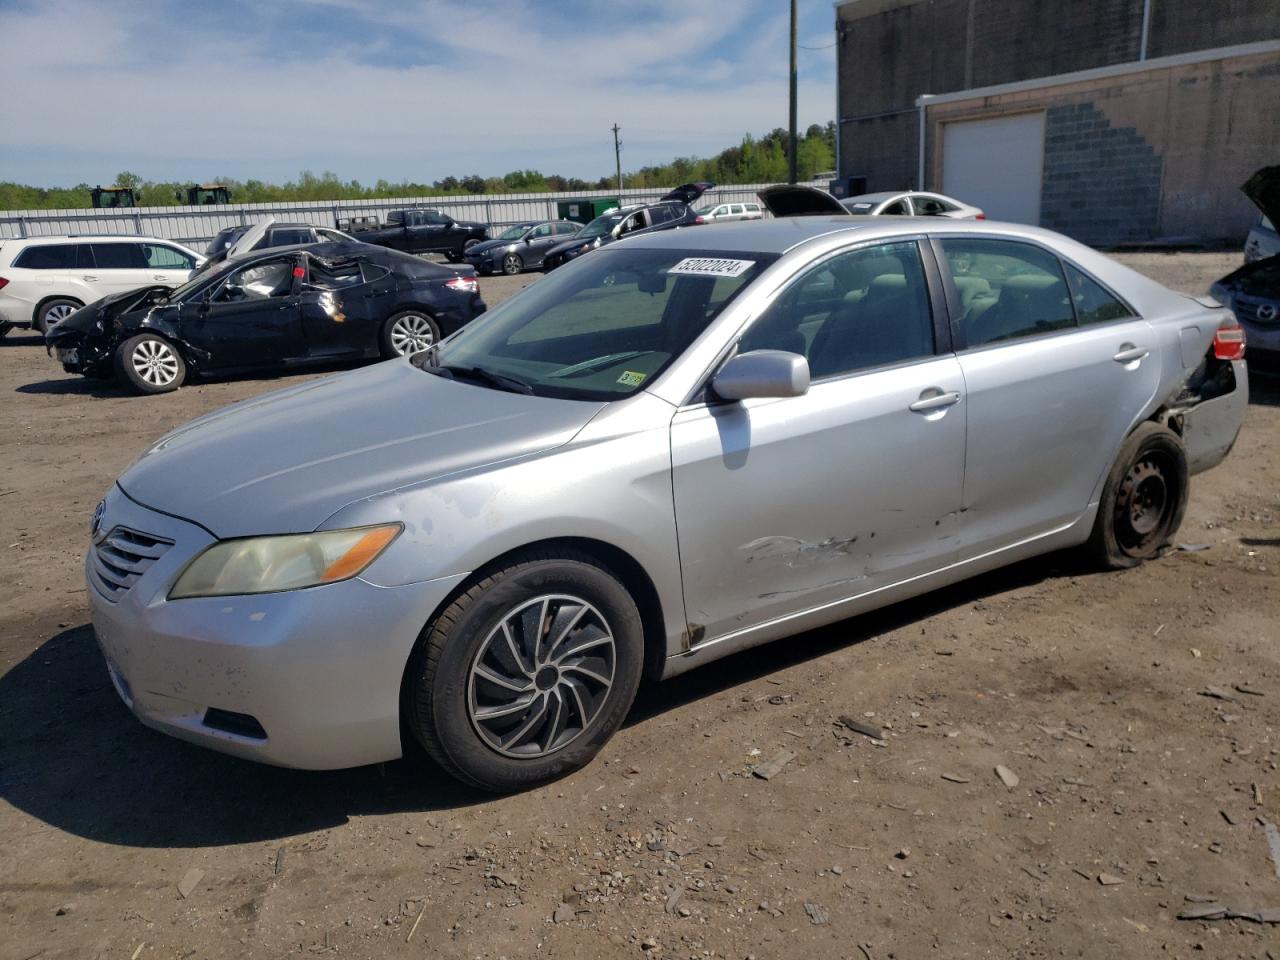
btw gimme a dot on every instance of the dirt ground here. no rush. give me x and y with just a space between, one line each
1136 795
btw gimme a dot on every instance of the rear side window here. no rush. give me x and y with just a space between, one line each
896 209
161 257
1093 303
1008 290
119 256
289 235
864 308
53 256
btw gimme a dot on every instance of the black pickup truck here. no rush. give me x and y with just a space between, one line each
425 231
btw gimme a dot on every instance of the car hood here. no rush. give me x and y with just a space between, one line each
688 192
94 317
1260 279
574 242
793 200
1263 188
285 462
484 246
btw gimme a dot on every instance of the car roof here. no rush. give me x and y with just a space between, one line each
96 237
781 234
875 197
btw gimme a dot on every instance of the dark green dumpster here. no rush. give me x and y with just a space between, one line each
585 209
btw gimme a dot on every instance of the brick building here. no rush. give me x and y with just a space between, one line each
1112 121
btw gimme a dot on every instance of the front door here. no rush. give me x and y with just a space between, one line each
790 504
250 319
1056 368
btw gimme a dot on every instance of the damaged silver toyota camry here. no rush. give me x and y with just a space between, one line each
682 446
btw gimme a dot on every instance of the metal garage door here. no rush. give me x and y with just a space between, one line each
996 164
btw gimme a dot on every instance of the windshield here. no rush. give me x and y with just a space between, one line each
195 283
602 328
600 226
514 233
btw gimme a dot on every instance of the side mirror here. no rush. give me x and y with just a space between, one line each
762 373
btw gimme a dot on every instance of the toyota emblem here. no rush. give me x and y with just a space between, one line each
95 524
1267 312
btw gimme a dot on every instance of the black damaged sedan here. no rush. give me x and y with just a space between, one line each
328 302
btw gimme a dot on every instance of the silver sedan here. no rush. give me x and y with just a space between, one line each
680 447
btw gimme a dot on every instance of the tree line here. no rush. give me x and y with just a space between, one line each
754 160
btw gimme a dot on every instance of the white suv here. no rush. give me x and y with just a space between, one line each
46 279
730 211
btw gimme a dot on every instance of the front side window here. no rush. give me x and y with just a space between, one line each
162 257
52 256
436 219
119 256
604 329
862 308
1008 290
540 231
567 229
259 281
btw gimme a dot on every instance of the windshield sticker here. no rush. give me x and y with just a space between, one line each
712 267
632 378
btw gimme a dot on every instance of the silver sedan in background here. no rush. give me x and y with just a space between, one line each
678 448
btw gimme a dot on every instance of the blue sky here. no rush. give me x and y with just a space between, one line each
394 89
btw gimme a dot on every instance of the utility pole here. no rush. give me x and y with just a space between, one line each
617 156
791 159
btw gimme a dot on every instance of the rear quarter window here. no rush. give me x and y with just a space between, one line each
51 256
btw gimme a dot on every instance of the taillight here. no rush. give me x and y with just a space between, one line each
699 219
1228 342
980 216
463 284
3 283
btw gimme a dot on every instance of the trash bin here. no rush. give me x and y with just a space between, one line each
843 187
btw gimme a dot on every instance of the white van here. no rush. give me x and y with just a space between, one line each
730 211
45 279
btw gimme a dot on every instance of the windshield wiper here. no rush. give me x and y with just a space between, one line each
499 380
596 363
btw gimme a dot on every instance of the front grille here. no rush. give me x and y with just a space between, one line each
1247 310
121 558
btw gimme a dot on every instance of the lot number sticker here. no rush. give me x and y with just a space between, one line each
712 267
632 378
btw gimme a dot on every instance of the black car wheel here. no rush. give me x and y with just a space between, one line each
150 364
512 264
1143 499
526 675
4 329
408 332
55 311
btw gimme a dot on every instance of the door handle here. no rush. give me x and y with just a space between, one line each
936 402
91 279
1129 353
158 276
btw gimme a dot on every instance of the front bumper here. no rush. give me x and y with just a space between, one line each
318 670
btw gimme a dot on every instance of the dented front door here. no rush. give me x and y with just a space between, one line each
786 505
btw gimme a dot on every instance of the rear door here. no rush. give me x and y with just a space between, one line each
1056 368
784 505
118 268
340 306
252 318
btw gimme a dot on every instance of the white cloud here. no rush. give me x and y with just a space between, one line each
495 86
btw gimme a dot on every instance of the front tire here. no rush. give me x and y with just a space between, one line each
512 264
55 311
408 332
528 673
150 364
1143 500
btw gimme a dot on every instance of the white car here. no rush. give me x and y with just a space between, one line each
730 211
912 204
45 279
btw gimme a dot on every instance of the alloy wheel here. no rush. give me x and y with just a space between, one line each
59 312
155 362
512 264
412 334
541 676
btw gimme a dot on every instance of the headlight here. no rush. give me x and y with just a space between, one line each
273 564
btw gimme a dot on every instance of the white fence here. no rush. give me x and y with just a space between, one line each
195 226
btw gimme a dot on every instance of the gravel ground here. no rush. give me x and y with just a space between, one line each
1133 795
